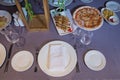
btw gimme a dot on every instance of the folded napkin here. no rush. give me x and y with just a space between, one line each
57 57
17 19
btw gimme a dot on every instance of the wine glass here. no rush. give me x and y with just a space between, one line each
75 35
12 36
86 37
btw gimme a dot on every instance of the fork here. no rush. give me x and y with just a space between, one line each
36 57
75 47
77 64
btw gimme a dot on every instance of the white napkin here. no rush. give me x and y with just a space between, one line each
17 19
57 57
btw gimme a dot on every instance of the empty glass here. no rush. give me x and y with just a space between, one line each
86 37
76 35
12 36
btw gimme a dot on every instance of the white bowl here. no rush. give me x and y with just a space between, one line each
6 15
111 19
113 5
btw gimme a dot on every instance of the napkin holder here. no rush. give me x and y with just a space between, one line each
39 22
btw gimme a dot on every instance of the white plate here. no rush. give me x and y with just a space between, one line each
8 2
6 15
43 57
2 54
68 2
115 6
114 14
22 61
95 60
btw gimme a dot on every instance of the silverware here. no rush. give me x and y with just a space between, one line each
8 58
77 64
75 47
77 67
36 62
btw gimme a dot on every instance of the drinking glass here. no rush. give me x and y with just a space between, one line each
12 36
86 37
76 34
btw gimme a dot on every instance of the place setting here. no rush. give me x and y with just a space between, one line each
12 36
57 58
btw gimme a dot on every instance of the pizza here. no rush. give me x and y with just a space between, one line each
88 18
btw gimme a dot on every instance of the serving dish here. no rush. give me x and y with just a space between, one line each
62 21
5 19
110 16
88 18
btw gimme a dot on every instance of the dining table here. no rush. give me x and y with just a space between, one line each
105 39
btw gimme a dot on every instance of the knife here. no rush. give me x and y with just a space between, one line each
8 58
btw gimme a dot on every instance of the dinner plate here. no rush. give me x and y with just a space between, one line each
8 17
95 60
43 58
8 2
68 2
22 61
113 5
2 54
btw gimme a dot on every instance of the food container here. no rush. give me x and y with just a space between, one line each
110 16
